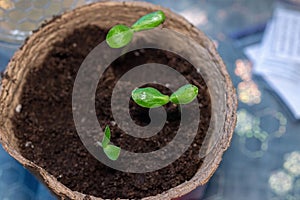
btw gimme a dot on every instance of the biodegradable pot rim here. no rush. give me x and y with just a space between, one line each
8 100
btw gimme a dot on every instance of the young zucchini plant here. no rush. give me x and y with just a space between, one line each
121 35
151 98
111 151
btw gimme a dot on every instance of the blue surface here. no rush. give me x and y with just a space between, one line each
16 183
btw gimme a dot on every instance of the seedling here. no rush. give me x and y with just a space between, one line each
111 151
121 35
152 98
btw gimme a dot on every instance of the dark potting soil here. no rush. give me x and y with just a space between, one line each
47 136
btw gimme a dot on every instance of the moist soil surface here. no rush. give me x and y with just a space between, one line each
47 136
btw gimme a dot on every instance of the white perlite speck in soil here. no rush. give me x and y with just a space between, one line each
19 108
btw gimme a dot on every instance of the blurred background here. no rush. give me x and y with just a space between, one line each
259 41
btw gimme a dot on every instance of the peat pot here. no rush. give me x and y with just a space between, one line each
37 107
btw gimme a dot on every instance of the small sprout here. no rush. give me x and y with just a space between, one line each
184 95
149 97
121 35
152 98
111 151
149 21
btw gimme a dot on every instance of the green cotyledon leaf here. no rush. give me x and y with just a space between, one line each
184 95
112 152
119 36
106 137
149 97
149 21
